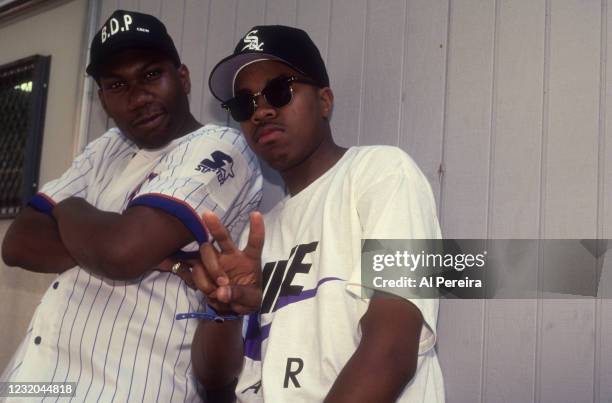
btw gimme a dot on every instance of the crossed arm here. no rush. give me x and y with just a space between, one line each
119 246
231 279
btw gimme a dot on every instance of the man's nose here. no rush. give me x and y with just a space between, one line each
263 110
138 96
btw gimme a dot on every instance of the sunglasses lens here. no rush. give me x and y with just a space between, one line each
241 107
278 92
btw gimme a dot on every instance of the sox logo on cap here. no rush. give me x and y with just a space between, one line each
252 41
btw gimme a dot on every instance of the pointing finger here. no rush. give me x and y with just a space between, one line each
256 237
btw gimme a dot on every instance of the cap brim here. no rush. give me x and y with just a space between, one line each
221 81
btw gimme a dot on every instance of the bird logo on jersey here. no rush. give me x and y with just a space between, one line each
221 164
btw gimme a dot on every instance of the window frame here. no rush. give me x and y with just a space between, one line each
35 126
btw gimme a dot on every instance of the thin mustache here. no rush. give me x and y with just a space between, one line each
147 115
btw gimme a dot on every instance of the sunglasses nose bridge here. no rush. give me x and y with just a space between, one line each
263 103
262 94
254 99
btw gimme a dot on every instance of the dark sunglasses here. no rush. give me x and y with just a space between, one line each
277 93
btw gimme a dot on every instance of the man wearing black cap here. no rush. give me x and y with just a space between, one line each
314 337
133 198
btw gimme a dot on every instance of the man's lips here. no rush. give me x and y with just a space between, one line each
147 119
266 133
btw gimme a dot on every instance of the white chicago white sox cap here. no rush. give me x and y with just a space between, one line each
289 45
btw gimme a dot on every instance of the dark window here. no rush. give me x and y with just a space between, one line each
23 96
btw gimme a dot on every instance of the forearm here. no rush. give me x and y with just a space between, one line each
119 246
87 233
373 374
33 243
386 358
217 353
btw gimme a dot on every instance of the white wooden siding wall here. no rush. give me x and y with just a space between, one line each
505 106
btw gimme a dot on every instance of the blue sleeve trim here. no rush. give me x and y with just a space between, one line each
41 203
177 208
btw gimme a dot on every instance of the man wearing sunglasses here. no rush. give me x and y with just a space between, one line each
106 328
310 335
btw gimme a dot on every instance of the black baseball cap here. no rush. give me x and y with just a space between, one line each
129 30
289 45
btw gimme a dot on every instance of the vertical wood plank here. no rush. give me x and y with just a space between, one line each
468 119
129 5
313 16
152 7
570 192
511 327
193 52
603 352
219 44
422 114
283 12
464 194
602 370
517 121
172 15
460 349
574 104
106 9
385 28
345 61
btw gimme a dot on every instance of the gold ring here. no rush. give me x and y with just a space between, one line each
176 267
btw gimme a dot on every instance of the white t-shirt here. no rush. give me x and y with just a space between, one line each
119 340
309 323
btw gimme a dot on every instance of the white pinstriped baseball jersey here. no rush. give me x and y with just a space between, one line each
119 341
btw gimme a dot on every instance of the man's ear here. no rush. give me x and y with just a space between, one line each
183 72
326 97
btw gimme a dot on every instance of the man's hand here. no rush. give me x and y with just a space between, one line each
231 278
181 268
